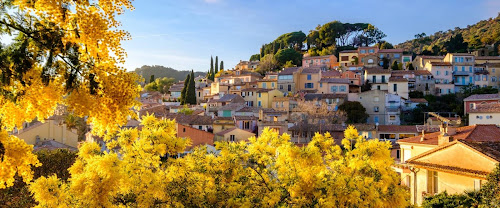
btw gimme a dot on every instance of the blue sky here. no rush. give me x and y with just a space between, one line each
183 34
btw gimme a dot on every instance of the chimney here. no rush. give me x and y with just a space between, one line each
446 133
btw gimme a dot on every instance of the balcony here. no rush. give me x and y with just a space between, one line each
461 73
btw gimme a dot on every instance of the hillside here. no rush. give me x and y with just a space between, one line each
161 71
484 34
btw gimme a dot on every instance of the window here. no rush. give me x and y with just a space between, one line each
493 79
470 69
387 136
259 103
398 154
493 70
396 55
277 103
375 119
437 73
321 84
370 61
342 88
334 89
402 136
392 117
281 87
200 127
289 88
260 95
455 68
344 58
264 85
463 68
183 129
383 78
378 87
272 85
374 79
232 138
375 108
362 51
381 56
432 182
309 85
308 77
446 72
395 87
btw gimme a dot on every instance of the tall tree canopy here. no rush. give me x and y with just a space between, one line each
64 52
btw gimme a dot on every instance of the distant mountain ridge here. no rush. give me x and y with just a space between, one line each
160 71
483 34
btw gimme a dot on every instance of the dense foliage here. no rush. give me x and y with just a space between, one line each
54 162
64 52
485 33
161 85
356 113
161 71
268 171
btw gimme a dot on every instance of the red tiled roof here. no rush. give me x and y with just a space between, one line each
483 97
441 63
479 133
432 57
486 108
332 73
335 80
418 100
487 57
422 72
397 79
393 50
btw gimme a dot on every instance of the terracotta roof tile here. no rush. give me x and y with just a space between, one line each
393 50
331 73
486 108
311 70
335 80
397 79
487 57
479 133
418 100
483 97
440 63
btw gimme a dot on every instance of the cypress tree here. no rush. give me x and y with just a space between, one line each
222 65
211 68
216 64
191 91
184 90
152 78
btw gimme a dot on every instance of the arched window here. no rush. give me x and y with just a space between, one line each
370 61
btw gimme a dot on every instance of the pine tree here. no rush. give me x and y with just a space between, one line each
191 91
152 78
222 65
212 68
395 66
184 90
216 64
